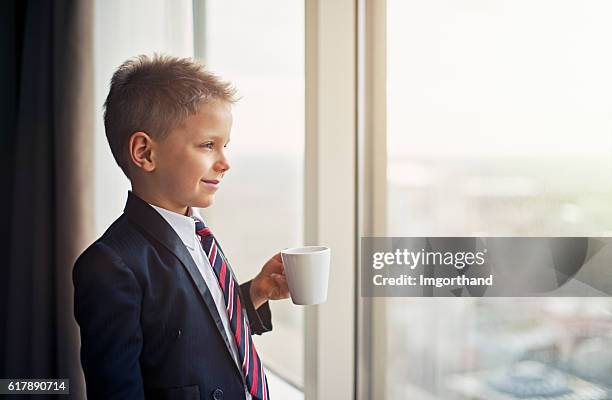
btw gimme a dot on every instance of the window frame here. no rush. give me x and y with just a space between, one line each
372 188
330 194
330 201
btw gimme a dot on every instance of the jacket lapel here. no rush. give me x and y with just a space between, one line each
141 213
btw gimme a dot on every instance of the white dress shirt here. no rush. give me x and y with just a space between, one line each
184 226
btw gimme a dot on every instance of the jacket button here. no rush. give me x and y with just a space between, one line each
218 394
178 334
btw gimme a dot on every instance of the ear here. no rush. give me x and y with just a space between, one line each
141 147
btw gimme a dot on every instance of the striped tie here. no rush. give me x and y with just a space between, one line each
257 384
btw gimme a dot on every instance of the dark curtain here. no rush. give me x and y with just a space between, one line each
47 174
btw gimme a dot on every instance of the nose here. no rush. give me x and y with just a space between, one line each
222 163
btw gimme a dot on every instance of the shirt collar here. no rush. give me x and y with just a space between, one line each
183 225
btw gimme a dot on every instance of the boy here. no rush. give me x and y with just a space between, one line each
160 312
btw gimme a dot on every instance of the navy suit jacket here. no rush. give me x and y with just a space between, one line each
149 326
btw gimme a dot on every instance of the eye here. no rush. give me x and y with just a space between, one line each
208 145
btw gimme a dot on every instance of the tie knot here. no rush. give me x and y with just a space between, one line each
201 228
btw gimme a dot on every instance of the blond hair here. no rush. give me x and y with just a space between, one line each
155 95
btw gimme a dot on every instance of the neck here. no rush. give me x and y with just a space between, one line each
159 201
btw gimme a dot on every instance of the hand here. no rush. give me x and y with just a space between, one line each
270 283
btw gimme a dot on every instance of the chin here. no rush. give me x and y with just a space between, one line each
205 202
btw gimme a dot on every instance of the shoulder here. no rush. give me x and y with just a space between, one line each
111 250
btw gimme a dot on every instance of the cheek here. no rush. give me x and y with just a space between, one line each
196 168
186 168
204 164
180 173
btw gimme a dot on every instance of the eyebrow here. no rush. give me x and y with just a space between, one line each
215 137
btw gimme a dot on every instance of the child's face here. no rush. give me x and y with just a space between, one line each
190 162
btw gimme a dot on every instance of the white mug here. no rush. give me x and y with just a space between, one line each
307 271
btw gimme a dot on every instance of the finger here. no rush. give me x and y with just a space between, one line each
275 267
282 289
281 281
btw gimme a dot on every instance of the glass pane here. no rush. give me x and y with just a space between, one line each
116 38
499 124
259 210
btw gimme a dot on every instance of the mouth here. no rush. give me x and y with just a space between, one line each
213 183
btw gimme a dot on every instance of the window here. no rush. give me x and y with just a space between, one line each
498 123
169 30
260 209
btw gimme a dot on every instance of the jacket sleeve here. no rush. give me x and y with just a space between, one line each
260 320
107 302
